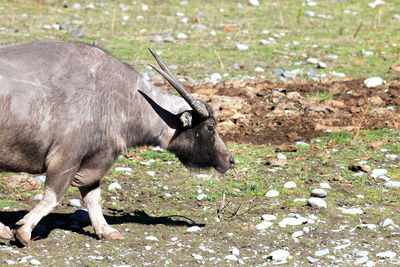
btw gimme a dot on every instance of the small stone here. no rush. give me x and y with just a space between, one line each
231 258
215 77
151 173
193 229
181 36
392 184
300 200
147 248
322 252
311 259
76 5
263 225
321 65
386 254
34 262
254 2
297 234
325 185
321 193
338 74
197 257
353 211
235 251
41 178
202 176
317 202
309 13
361 260
89 6
75 203
10 262
259 69
279 256
369 264
312 60
38 197
301 143
280 156
387 222
331 57
114 186
242 47
391 156
362 253
311 73
373 82
268 217
290 185
377 173
272 193
292 221
201 197
278 72
151 238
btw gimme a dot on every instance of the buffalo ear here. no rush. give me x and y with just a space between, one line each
186 119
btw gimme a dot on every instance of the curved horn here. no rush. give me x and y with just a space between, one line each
195 104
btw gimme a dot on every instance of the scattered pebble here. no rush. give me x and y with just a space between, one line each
263 225
181 36
373 82
123 169
151 173
392 184
38 197
259 69
292 221
338 74
324 185
321 65
75 203
197 256
321 253
391 156
377 173
317 202
151 238
114 186
279 256
312 60
353 211
254 2
321 193
34 262
297 234
202 176
290 185
231 258
386 254
268 217
242 47
193 229
361 260
331 57
272 193
41 178
201 197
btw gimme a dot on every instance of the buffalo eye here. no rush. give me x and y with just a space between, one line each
211 128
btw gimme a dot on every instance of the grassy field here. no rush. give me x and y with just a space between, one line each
348 29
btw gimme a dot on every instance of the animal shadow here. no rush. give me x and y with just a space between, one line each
67 222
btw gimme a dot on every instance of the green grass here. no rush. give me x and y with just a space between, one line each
202 53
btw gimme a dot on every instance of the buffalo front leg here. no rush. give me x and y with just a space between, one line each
59 177
92 198
5 232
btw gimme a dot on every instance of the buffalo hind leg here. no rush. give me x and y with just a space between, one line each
59 177
5 232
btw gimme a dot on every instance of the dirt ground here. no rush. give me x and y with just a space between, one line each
277 113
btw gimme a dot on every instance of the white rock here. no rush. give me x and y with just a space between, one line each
215 77
202 176
89 6
197 256
373 82
75 203
312 60
268 217
391 156
193 229
151 238
338 74
325 185
38 197
321 193
361 260
151 173
309 13
76 5
123 169
297 234
292 221
369 264
322 252
201 197
279 256
147 247
145 7
263 225
272 193
331 57
376 173
34 262
387 222
300 200
360 196
362 253
181 36
317 202
353 211
10 262
281 156
242 47
114 186
321 65
290 185
259 69
392 184
235 251
301 143
386 254
254 2
41 178
230 258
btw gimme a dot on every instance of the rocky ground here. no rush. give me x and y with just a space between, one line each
313 188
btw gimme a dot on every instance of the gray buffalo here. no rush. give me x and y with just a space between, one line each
69 109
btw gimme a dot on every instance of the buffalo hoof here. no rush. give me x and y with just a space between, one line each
112 235
5 232
23 236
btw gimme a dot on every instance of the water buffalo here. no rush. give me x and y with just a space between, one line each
69 109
